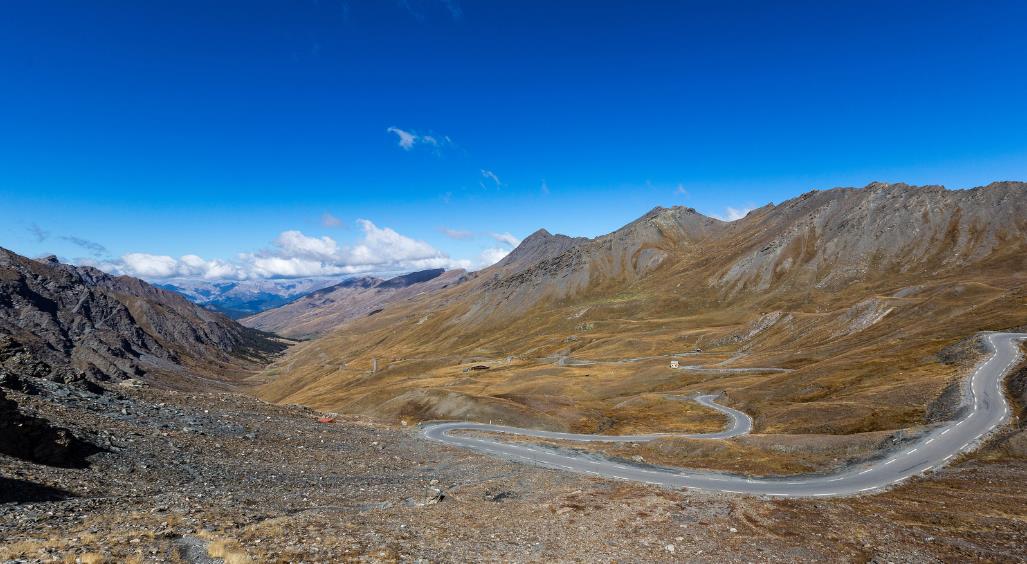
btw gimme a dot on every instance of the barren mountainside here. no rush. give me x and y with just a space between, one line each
833 238
849 294
327 308
73 322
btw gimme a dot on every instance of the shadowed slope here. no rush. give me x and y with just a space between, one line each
78 321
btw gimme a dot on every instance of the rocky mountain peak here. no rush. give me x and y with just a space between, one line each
662 225
538 246
672 211
540 234
1007 185
878 185
412 278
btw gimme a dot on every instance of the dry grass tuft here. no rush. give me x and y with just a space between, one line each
228 550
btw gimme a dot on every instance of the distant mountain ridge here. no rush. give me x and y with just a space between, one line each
326 308
241 298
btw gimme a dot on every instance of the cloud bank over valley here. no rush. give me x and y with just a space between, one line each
294 254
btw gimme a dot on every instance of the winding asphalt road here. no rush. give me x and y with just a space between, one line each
986 409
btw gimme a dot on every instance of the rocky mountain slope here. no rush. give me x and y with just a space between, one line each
73 323
850 294
240 298
325 309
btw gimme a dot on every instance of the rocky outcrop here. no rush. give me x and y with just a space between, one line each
35 440
68 322
538 246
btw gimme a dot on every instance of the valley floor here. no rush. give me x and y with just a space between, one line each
184 476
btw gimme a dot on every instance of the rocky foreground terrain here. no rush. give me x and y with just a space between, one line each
182 477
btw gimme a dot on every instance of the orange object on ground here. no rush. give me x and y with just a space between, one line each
326 420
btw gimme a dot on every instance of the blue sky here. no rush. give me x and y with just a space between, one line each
228 130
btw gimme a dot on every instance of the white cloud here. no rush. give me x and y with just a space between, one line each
489 175
217 269
329 220
382 245
506 238
145 265
407 140
545 188
732 214
680 191
296 244
458 234
293 267
152 266
294 254
491 256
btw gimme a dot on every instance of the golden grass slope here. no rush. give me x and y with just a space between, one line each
854 291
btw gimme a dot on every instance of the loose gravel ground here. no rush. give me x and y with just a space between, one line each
224 477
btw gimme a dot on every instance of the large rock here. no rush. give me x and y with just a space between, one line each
35 440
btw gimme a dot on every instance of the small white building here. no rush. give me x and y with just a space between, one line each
673 364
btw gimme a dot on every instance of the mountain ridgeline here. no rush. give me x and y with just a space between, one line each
816 285
327 308
71 323
241 298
